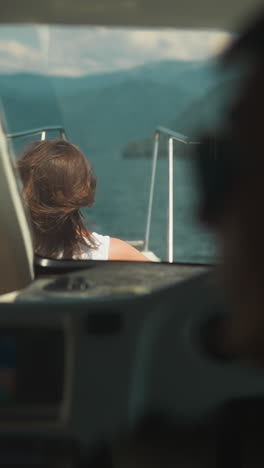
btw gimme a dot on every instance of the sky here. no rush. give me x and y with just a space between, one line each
77 51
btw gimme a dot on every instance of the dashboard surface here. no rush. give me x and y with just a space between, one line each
110 279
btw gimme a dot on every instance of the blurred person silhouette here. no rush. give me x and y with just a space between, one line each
233 196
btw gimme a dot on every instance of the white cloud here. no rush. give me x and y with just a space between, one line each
181 45
67 71
73 51
16 49
219 42
16 56
124 63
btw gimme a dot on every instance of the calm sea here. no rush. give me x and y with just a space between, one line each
122 199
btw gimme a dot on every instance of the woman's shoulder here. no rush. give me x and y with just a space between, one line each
111 248
121 250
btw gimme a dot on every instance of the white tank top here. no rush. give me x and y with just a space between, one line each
100 252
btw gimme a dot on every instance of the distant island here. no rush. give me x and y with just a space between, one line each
184 124
144 148
197 116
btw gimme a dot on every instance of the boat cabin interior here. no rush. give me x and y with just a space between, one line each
105 364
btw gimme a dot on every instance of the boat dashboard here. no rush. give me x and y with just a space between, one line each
103 279
78 378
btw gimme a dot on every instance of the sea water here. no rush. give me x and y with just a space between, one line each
122 201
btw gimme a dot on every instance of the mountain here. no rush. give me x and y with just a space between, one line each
163 73
203 112
103 113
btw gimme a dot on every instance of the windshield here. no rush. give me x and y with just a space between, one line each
109 89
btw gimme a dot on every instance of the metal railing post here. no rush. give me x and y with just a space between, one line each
172 136
152 186
63 135
170 202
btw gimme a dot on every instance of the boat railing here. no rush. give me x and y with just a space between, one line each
171 138
42 131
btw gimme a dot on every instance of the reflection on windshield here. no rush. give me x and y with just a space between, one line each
109 89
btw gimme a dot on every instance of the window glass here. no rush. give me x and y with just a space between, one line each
110 88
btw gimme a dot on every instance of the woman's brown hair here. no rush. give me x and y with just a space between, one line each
58 181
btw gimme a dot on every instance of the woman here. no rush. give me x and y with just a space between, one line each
58 182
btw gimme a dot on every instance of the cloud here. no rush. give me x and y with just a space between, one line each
219 42
18 50
67 71
75 51
180 45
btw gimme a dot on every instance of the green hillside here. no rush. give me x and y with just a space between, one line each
199 115
104 113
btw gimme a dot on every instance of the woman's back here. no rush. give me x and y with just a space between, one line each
99 252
